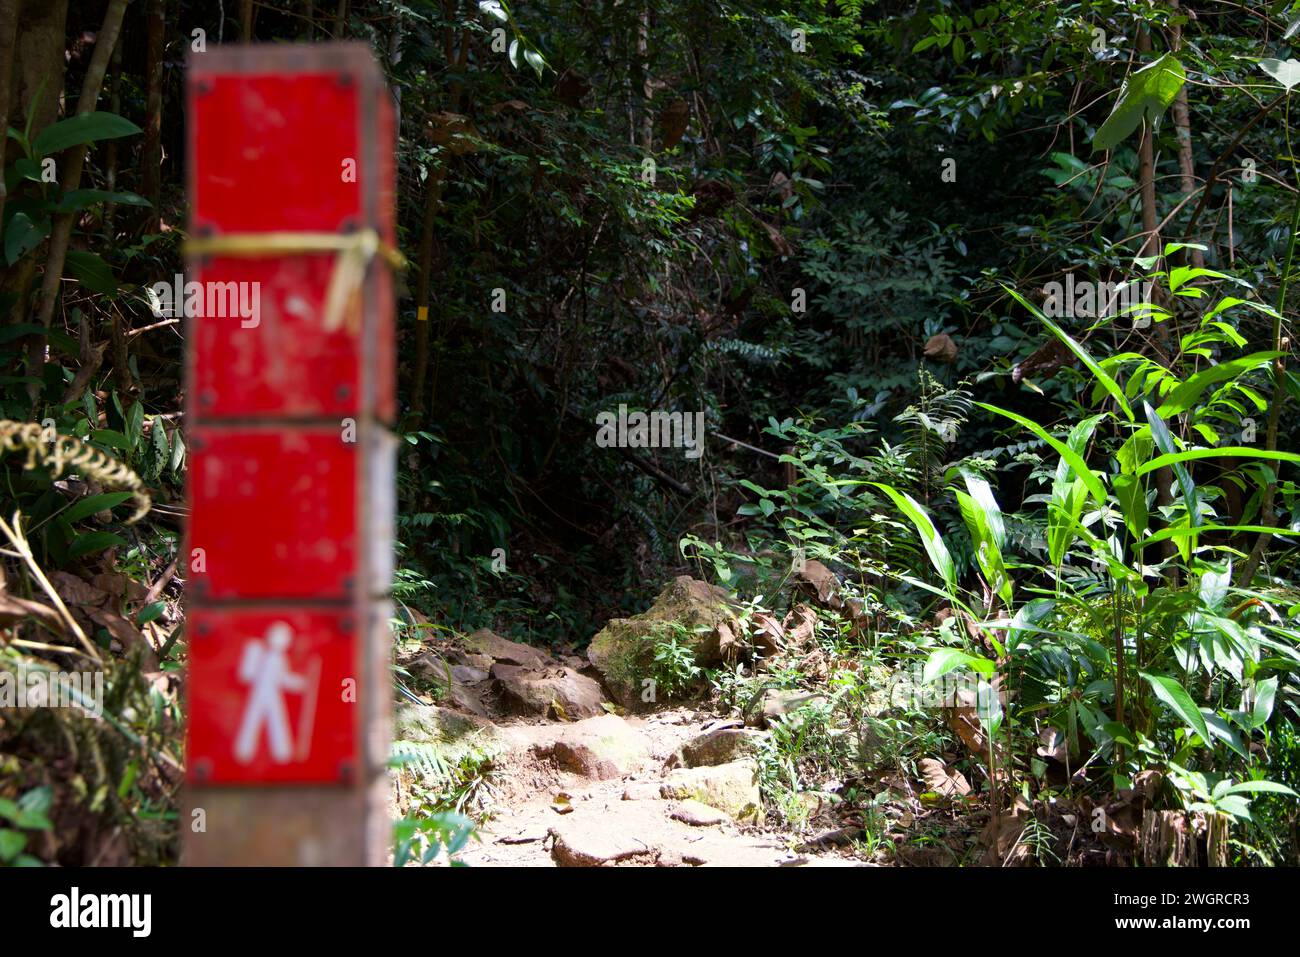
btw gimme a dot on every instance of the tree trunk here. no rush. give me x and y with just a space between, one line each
432 202
110 148
151 157
74 159
8 35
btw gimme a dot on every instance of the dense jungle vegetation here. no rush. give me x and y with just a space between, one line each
985 310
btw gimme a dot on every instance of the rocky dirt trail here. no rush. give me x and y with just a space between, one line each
612 791
578 780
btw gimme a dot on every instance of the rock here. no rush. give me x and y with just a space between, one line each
452 735
778 703
465 698
732 788
484 642
540 690
458 656
642 791
698 815
720 746
584 845
624 649
602 748
467 675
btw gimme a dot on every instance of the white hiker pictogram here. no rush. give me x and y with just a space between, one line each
264 667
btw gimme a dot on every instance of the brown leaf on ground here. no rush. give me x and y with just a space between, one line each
799 626
729 647
823 581
941 779
127 635
74 591
1053 745
769 636
119 586
14 609
1001 836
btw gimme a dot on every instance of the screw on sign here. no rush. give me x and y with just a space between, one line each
289 313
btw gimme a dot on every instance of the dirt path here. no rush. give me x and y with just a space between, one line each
605 791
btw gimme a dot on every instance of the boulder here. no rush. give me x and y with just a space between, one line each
698 815
732 788
597 844
623 651
777 703
451 734
642 791
720 746
542 691
485 642
602 748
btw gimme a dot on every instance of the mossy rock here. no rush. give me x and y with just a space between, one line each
450 734
623 651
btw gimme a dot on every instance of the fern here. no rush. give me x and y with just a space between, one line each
931 425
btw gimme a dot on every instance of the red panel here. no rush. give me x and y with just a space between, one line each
272 696
274 512
270 150
285 365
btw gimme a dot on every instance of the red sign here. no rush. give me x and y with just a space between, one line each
277 696
288 307
274 511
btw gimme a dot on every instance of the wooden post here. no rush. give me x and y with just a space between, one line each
289 329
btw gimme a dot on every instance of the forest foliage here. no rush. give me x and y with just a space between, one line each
876 244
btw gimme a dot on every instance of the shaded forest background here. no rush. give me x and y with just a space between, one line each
801 218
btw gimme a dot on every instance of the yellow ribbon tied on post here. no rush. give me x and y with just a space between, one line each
354 252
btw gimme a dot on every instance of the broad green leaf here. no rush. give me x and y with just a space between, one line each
1286 72
94 503
1090 480
1146 94
1185 395
1165 442
91 271
944 660
22 235
1175 697
81 198
1109 384
11 844
1265 695
1228 451
930 537
93 542
1132 498
86 128
982 492
1257 787
987 553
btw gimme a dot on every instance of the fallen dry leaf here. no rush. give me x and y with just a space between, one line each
940 778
